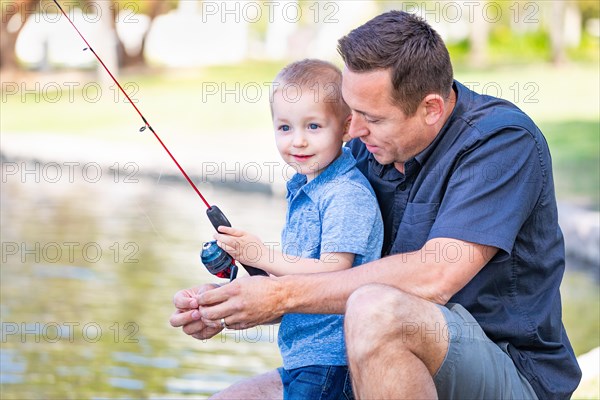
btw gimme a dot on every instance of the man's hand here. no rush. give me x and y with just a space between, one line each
243 303
188 316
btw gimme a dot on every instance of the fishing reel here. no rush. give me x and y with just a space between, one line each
216 260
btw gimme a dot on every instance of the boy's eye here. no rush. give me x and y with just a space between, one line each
284 128
371 120
313 126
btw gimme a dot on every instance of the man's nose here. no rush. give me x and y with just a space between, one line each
357 126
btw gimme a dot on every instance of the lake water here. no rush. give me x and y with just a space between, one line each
88 273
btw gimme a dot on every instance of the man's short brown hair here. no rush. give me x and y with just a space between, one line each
407 45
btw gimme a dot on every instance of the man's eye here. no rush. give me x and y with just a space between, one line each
284 128
371 120
313 126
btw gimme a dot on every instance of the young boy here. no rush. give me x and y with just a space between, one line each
333 222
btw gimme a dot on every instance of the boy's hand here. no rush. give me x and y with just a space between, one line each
243 246
188 317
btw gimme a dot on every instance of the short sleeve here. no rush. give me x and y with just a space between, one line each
349 214
493 190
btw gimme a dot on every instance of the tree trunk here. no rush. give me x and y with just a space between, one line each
107 43
8 39
557 32
478 39
152 8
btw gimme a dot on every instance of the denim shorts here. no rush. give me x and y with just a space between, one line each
475 367
317 382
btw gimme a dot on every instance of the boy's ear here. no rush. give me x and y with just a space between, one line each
346 137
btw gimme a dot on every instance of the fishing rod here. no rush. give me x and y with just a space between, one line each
217 261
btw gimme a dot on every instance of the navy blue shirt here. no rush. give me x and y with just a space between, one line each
487 179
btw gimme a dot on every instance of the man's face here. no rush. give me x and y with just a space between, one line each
380 124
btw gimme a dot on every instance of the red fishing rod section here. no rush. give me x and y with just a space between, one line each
146 124
215 215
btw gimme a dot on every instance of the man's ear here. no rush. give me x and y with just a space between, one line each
433 106
346 137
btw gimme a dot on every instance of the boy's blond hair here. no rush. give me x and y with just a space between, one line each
321 78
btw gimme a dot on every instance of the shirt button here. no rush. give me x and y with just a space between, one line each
402 186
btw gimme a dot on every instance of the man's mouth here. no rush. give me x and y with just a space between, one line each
371 148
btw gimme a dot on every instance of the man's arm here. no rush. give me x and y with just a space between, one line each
428 273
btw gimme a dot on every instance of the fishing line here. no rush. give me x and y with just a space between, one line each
146 124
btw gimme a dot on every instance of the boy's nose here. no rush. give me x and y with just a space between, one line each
299 140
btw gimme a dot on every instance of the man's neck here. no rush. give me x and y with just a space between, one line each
450 104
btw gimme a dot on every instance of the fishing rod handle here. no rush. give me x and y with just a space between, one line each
217 218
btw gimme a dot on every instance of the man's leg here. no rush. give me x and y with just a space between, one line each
395 343
260 387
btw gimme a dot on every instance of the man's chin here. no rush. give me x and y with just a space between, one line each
381 159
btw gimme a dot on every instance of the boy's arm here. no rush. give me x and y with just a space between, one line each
249 249
279 264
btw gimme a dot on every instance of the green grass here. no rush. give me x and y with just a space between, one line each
180 96
185 102
575 147
581 307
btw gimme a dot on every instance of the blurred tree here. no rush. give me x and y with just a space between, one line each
589 9
15 13
567 21
151 8
13 17
557 32
109 42
479 36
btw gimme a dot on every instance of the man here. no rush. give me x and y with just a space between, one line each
465 302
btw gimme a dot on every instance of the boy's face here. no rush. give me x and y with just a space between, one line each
308 133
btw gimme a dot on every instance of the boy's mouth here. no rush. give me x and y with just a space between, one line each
301 157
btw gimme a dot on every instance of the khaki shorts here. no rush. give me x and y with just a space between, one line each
475 367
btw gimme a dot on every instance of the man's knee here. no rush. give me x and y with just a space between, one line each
380 305
380 313
372 312
370 302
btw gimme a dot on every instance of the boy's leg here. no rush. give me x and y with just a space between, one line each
260 387
319 382
396 342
